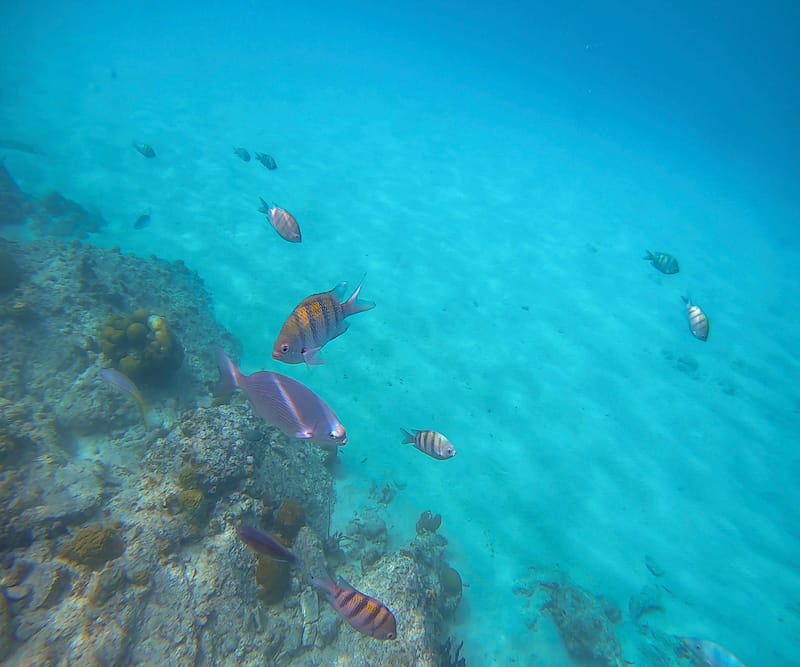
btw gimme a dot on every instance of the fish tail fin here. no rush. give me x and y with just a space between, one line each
264 206
229 375
687 300
355 305
407 437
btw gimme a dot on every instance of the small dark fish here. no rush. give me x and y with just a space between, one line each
284 403
282 222
142 221
662 261
145 149
265 544
242 153
316 320
711 654
431 443
364 613
698 322
267 160
123 384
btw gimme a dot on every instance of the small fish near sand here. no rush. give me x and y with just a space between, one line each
364 613
709 654
432 443
142 221
124 385
265 544
315 321
284 403
698 322
242 153
282 222
145 149
663 261
267 160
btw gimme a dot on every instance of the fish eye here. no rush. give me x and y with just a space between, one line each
285 348
390 635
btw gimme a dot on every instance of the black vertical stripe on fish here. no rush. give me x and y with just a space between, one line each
359 605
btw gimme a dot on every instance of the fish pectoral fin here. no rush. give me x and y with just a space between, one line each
311 358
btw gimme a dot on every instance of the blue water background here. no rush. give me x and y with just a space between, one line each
497 172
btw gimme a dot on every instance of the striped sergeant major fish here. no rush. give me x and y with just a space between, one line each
709 654
364 613
431 443
282 222
698 322
124 385
663 261
315 321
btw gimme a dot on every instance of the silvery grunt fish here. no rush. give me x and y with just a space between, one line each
282 221
431 443
698 322
123 384
364 613
265 544
315 321
663 261
284 403
710 654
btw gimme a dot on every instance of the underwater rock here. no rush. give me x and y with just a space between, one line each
55 215
93 546
6 637
428 523
10 273
13 202
289 518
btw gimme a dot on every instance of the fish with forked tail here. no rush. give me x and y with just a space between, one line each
431 443
282 222
286 404
663 261
315 321
364 613
698 322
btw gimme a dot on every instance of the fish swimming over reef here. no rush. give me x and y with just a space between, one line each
710 654
124 385
316 320
698 322
431 443
145 149
664 262
142 221
284 403
265 544
242 153
364 613
282 221
267 160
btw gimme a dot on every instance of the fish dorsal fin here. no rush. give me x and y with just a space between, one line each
339 290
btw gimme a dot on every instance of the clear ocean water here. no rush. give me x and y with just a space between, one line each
496 171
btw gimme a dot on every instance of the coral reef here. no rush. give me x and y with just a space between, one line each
428 523
272 577
141 345
10 273
289 518
13 202
94 545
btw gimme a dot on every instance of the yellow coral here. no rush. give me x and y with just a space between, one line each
273 578
93 546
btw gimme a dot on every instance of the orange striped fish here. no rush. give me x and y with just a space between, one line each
431 443
364 613
282 221
316 320
698 322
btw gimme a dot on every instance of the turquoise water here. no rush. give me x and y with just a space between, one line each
497 174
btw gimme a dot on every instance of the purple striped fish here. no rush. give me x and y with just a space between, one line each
282 221
364 613
431 443
711 654
698 322
316 320
284 403
663 261
264 544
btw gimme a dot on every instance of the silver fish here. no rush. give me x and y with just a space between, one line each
282 222
123 384
431 443
284 403
698 322
663 261
710 654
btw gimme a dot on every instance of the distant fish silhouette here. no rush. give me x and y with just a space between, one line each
142 221
242 153
145 149
664 262
267 160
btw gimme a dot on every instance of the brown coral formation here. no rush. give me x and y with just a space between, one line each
289 518
93 546
273 579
